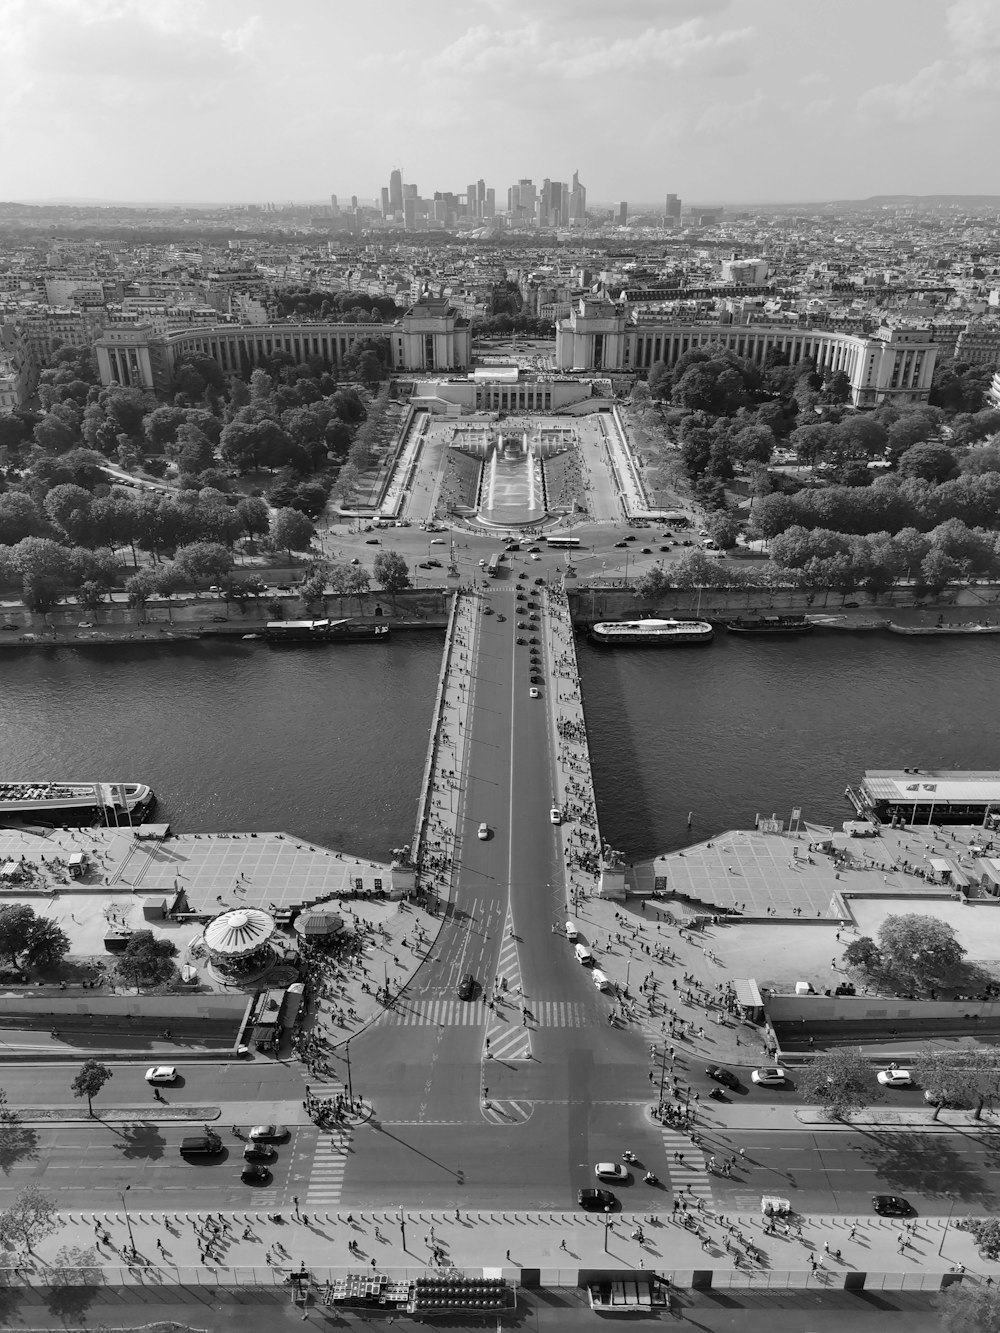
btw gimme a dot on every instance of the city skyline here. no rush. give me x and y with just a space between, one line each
715 101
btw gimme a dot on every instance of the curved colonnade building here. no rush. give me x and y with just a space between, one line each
599 337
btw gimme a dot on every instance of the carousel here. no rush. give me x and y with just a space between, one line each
239 942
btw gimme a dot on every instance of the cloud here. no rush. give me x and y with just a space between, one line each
966 72
732 116
816 78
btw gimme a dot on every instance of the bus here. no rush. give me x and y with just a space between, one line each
493 565
570 543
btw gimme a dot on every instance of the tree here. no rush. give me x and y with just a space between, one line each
139 588
391 572
864 953
30 1218
146 961
934 462
291 531
920 952
652 584
89 1081
969 1307
985 1231
723 529
29 940
205 560
842 1082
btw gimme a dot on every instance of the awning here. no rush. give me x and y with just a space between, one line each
747 993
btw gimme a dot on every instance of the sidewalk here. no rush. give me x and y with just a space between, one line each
551 1248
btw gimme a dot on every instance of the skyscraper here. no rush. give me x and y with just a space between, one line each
673 207
577 200
396 190
334 207
386 207
621 213
471 208
490 206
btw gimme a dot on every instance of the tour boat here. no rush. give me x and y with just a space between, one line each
62 803
651 633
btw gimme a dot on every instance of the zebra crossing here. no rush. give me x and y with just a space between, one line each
688 1172
507 1112
326 1177
459 1013
508 1036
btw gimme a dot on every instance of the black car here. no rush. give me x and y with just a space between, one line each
664 548
724 1076
621 543
254 1173
521 597
630 537
597 1199
890 1205
371 541
467 987
532 640
434 564
523 624
539 583
521 639
647 550
424 564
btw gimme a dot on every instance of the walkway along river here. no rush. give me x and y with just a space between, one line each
330 743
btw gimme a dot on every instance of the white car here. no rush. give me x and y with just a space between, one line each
610 1171
484 831
533 692
895 1078
438 541
161 1074
555 814
769 1077
536 557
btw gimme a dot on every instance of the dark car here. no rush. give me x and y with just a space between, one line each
284 587
534 550
523 624
467 987
8 625
425 564
255 1173
596 1199
256 1151
218 620
724 1076
687 542
434 564
487 610
521 597
540 583
646 550
630 537
891 1205
532 640
371 541
664 548
621 543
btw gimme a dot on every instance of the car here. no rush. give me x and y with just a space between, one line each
555 815
268 1133
539 583
355 561
520 587
597 1199
536 680
891 1205
259 1152
533 640
647 550
687 542
521 597
487 610
630 537
218 620
483 832
533 692
255 1173
521 640
84 624
895 1078
161 1074
664 548
8 625
284 587
467 987
533 550
425 564
482 564
724 1076
536 557
371 541
610 1171
770 1076
523 624
621 544
438 541
852 604
434 564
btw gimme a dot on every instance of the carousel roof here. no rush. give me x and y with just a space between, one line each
239 932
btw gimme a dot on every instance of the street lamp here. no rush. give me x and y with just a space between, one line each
607 1223
128 1220
402 1228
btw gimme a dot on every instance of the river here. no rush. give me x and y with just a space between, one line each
329 743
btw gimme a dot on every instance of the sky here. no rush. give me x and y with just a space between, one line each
718 101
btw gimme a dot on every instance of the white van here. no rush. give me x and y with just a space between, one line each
572 934
583 955
600 980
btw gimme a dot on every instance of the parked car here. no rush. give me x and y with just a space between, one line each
895 1078
891 1205
597 1199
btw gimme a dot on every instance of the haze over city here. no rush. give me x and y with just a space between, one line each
225 101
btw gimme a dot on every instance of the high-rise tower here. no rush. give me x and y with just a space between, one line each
396 190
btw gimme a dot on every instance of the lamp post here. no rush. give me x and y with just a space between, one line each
402 1228
607 1223
128 1220
350 1085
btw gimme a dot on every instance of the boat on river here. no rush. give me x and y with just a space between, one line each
61 803
941 628
651 633
324 631
769 625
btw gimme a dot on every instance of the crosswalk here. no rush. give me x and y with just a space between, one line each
508 1111
459 1013
326 1178
688 1172
508 1034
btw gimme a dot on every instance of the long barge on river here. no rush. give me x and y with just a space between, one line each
324 631
651 633
63 803
928 796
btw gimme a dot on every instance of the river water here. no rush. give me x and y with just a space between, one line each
329 743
